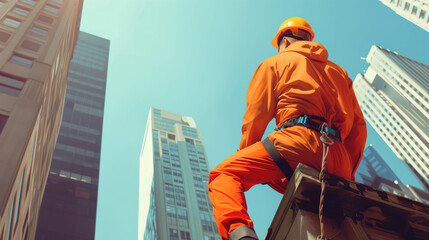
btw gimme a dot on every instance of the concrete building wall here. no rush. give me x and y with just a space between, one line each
37 39
393 95
415 11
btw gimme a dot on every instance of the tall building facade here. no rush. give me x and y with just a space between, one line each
373 171
173 201
415 11
372 165
69 203
394 97
37 39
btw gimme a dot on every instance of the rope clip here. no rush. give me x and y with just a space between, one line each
325 135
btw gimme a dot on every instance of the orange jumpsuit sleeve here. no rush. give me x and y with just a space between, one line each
356 139
261 104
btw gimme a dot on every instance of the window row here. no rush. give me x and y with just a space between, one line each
173 175
177 217
174 235
208 222
71 175
11 85
174 195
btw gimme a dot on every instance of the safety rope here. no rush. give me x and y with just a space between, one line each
327 141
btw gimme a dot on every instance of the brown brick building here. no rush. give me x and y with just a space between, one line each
37 39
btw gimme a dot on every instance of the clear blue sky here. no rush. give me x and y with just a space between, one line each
196 58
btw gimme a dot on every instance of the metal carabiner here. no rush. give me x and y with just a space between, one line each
325 135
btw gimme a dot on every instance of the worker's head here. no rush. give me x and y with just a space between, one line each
294 28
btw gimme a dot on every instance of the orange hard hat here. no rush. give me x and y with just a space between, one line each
298 27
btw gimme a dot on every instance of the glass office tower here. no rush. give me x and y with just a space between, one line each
373 165
394 97
173 201
70 200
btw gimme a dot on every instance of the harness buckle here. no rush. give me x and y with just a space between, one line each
325 131
303 120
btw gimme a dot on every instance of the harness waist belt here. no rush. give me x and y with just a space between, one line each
309 121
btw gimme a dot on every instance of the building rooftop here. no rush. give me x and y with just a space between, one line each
352 211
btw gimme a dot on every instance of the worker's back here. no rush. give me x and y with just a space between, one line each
303 81
310 84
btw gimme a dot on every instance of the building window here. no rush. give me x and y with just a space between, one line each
30 45
86 179
3 120
21 11
189 132
58 1
10 85
177 176
167 175
22 61
11 22
198 181
207 237
202 201
185 235
208 222
422 14
171 137
45 19
52 9
65 174
414 11
169 193
29 2
39 31
4 36
180 196
399 3
174 234
182 217
407 6
171 216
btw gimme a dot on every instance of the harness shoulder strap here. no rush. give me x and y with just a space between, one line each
278 158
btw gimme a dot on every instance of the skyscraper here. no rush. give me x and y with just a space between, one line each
173 201
373 165
373 171
69 203
393 95
37 39
415 11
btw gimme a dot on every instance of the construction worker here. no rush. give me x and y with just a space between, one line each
309 96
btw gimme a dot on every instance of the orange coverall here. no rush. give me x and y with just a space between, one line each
298 81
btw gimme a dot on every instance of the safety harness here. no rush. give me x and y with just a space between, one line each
307 121
327 132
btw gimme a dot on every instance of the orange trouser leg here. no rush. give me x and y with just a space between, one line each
230 179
